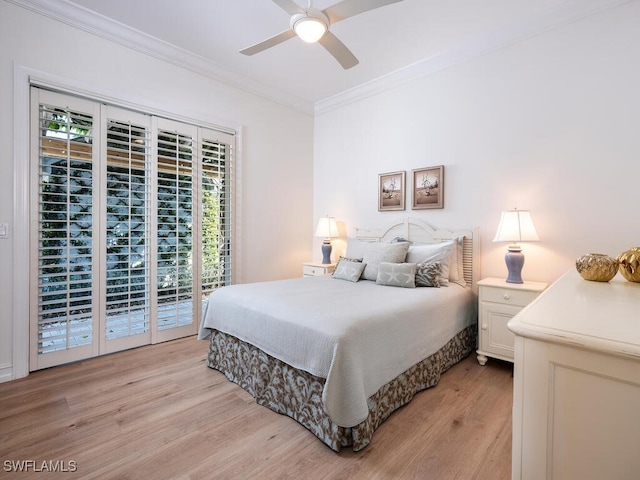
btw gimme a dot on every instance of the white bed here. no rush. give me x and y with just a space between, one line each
339 356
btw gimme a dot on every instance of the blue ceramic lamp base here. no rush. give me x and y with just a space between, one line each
514 260
326 251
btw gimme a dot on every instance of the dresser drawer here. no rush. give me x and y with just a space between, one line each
507 296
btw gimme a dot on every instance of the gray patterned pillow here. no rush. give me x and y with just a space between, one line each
398 240
433 252
376 253
397 274
428 274
348 270
350 259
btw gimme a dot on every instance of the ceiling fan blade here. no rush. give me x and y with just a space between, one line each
349 8
289 6
339 50
268 43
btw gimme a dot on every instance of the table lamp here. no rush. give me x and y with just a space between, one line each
515 226
328 229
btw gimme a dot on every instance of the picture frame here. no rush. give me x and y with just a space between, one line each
427 188
391 191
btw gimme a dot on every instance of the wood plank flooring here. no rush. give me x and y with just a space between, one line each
158 412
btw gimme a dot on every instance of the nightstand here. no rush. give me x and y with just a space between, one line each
311 269
499 302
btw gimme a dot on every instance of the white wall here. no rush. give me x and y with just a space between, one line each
550 124
276 150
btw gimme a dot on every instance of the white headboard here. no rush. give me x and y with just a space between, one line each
418 231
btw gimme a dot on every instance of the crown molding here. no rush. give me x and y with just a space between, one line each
109 29
101 26
569 12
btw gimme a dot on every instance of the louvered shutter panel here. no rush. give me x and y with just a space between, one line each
175 195
216 212
127 230
64 233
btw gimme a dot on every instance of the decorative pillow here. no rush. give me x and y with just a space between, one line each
456 271
433 252
397 274
348 270
376 253
428 274
399 239
350 259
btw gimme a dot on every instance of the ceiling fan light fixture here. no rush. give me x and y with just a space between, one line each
310 26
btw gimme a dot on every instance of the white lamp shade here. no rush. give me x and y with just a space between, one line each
327 228
516 226
310 29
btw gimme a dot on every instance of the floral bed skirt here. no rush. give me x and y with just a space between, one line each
298 394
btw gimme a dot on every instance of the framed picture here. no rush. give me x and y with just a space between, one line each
428 188
391 191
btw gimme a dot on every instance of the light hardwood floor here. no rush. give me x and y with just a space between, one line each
158 412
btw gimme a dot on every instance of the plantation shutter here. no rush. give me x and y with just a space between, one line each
62 231
131 227
216 211
127 230
176 227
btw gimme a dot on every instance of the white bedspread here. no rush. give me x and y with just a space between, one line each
358 336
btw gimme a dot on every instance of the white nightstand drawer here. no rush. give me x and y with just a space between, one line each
310 270
507 296
313 269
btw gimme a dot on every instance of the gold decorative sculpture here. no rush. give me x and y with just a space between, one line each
597 267
630 264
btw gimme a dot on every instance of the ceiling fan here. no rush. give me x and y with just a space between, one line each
312 25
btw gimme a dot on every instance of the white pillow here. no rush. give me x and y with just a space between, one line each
355 248
456 271
433 252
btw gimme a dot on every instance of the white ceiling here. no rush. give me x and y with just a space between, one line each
423 35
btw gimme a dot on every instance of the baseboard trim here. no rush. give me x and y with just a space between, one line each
6 373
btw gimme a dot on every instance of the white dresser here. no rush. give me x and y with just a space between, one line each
576 402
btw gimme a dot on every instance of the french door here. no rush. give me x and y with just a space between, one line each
130 227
